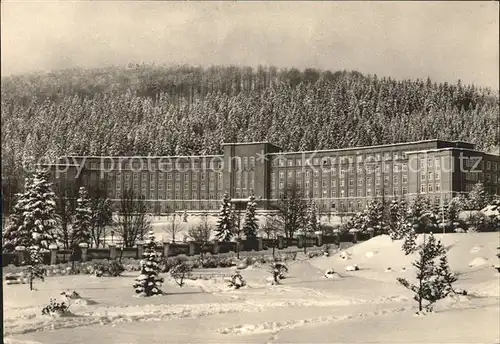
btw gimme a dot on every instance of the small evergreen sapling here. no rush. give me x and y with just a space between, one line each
148 283
434 282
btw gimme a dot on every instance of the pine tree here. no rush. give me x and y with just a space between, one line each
83 219
18 233
397 214
148 283
35 217
374 217
478 198
434 282
225 225
311 218
250 227
33 222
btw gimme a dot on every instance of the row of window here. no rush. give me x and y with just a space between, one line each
138 164
342 182
474 176
282 160
343 173
350 193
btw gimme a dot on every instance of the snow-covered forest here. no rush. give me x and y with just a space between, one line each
148 109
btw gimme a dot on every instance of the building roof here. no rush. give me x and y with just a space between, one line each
371 147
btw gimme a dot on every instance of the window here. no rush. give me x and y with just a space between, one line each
351 182
437 162
386 168
387 156
360 193
438 187
351 193
252 162
334 193
290 174
395 179
430 188
315 161
290 162
368 192
422 188
429 162
359 158
297 174
316 174
281 162
488 165
404 167
298 162
342 193
334 182
308 173
169 176
422 163
377 181
405 191
430 175
422 175
395 168
394 191
360 181
369 181
437 176
405 178
282 175
324 183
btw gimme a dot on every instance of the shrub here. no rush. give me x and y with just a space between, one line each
237 281
179 272
112 268
55 308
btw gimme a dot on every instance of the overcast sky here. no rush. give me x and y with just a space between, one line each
446 41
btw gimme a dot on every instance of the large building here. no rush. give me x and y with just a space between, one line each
340 180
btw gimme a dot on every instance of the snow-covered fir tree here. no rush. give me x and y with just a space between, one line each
18 233
419 219
82 220
225 226
250 226
311 224
35 217
396 219
478 198
148 283
374 217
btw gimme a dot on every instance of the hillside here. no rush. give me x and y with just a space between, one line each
190 110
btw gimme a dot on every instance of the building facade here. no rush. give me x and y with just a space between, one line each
340 180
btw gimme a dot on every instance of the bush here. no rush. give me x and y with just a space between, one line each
180 271
112 268
55 308
237 281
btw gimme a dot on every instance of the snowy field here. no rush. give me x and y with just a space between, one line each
352 307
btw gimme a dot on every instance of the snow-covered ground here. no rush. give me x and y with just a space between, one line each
367 305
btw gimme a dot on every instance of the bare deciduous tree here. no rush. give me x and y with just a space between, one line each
133 218
66 195
291 210
102 215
